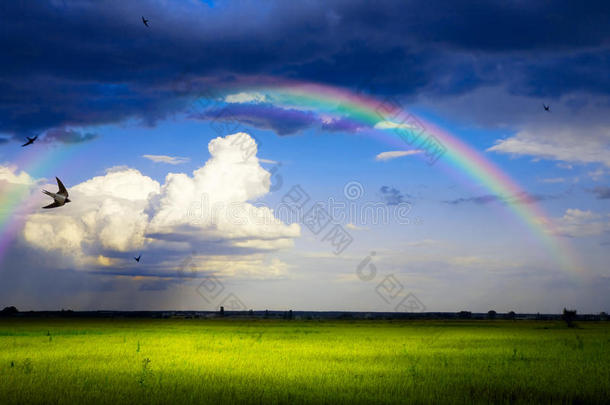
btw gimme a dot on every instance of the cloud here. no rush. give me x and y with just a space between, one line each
391 195
576 223
269 161
283 121
245 97
107 213
523 198
67 135
554 180
384 156
124 211
602 192
172 160
565 144
353 227
392 125
215 199
341 125
11 175
423 243
597 175
253 266
334 42
481 199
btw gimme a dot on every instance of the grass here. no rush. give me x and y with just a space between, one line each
64 361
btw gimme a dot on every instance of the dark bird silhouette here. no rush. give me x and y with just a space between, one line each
59 198
137 259
145 21
547 107
30 141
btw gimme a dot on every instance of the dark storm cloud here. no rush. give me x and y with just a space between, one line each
283 121
341 125
95 62
265 116
64 135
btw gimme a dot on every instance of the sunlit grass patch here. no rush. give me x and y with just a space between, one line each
269 361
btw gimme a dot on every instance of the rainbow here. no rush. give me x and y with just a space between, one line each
399 128
392 125
38 161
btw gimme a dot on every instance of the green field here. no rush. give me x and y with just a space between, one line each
270 361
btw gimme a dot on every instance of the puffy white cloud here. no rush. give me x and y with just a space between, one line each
125 211
9 174
16 190
119 183
107 212
215 199
383 156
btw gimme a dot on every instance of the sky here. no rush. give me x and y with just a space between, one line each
314 155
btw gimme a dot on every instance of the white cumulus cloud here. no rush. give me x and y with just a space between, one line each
124 211
10 174
106 212
216 199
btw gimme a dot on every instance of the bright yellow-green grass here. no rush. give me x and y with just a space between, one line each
69 361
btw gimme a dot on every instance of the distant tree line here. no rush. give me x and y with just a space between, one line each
8 311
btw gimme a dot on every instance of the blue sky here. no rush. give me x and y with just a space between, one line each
90 78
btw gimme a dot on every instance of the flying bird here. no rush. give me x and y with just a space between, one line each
137 259
30 141
546 107
59 198
145 21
